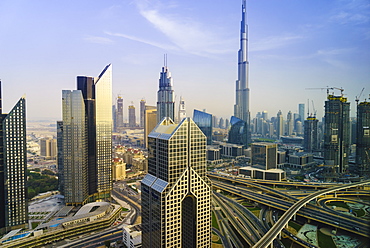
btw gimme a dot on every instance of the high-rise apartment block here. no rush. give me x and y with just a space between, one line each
119 113
48 148
150 121
131 116
142 112
165 96
289 124
87 139
279 124
311 134
363 138
13 166
176 193
337 132
182 110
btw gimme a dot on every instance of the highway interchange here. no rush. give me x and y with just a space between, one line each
276 199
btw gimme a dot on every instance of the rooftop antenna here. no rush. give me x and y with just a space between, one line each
165 60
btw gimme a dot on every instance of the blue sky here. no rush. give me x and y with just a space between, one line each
293 45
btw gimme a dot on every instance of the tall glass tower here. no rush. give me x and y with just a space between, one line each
90 138
165 96
176 193
74 147
241 107
204 122
13 165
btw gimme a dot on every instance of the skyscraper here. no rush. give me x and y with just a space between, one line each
87 138
279 124
75 171
182 110
311 132
150 120
337 132
13 165
238 133
241 107
176 193
131 116
119 112
301 112
60 157
290 123
165 96
363 138
142 112
204 122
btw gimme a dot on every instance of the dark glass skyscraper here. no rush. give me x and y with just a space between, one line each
363 138
176 193
337 133
13 165
204 122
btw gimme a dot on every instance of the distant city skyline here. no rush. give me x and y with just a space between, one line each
292 46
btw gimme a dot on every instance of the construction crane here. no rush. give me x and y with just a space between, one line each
358 97
314 110
327 89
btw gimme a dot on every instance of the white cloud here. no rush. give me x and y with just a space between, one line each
274 42
98 39
156 44
184 32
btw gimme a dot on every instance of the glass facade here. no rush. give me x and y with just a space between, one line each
176 194
264 155
238 133
204 122
74 147
14 209
103 92
87 139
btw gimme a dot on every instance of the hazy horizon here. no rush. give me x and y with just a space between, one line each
293 45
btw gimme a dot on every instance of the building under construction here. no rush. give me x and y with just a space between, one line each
363 139
337 132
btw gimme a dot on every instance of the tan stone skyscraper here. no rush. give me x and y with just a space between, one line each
176 193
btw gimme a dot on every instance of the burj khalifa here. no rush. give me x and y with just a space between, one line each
241 107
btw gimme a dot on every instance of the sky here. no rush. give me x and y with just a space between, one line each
293 45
